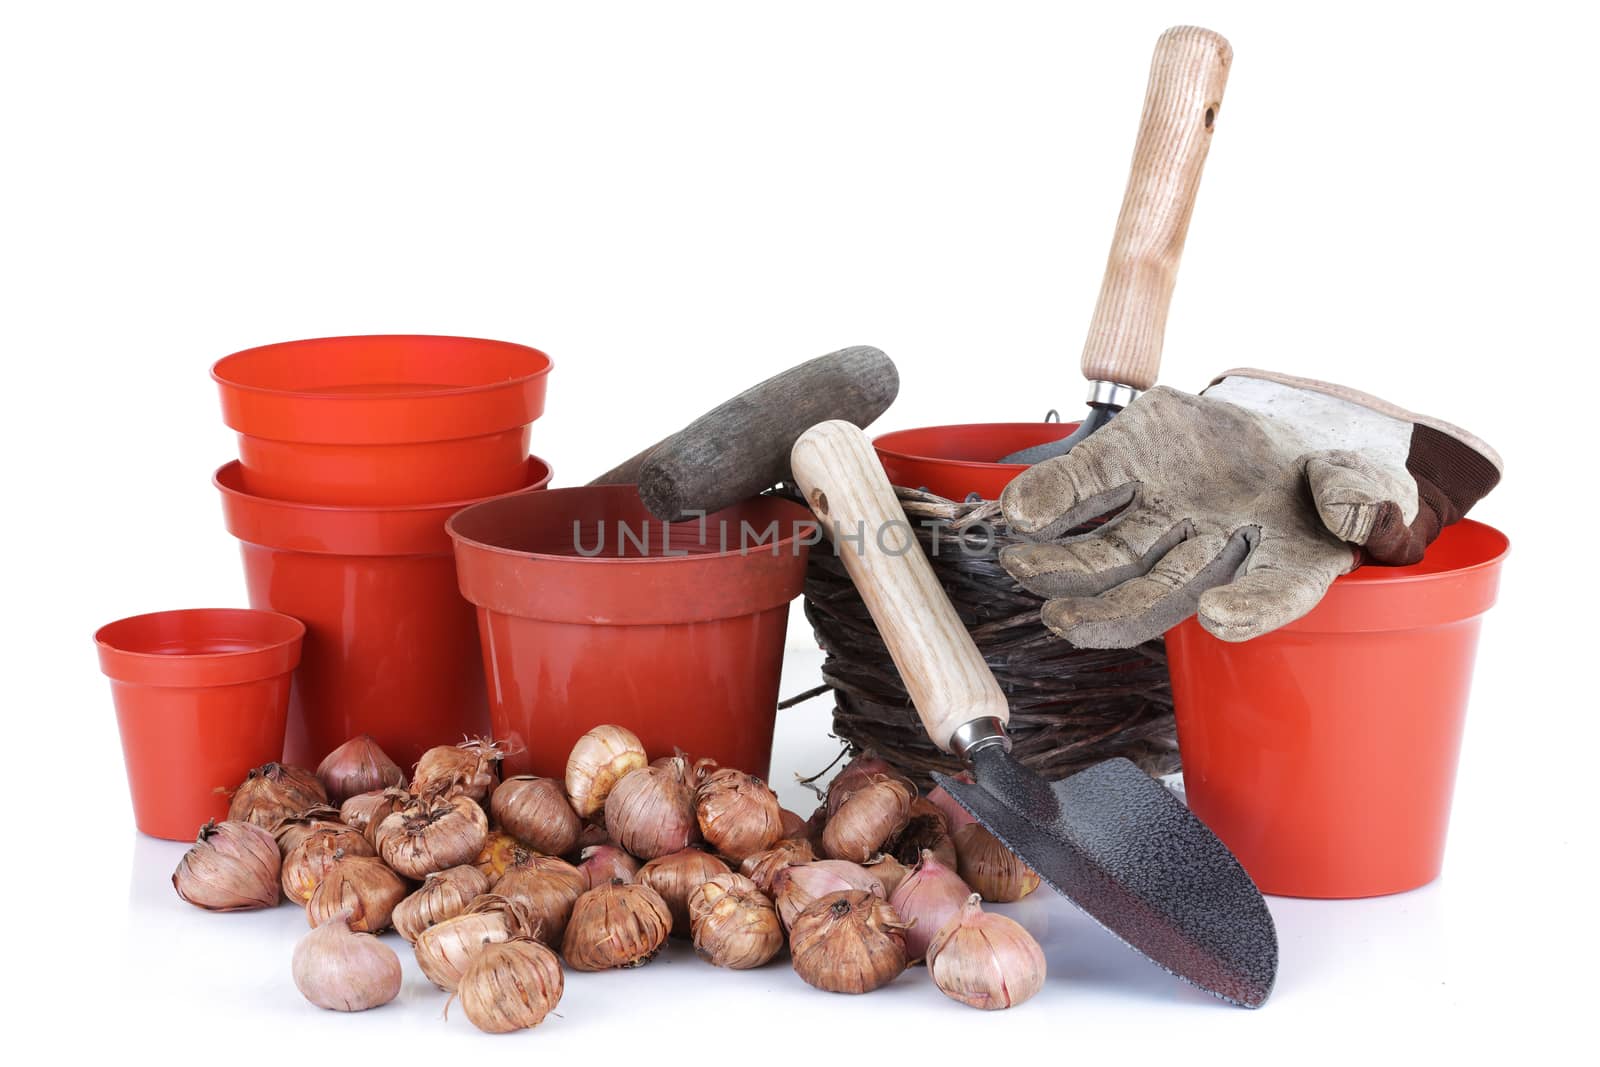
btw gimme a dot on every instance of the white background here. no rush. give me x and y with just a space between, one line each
676 201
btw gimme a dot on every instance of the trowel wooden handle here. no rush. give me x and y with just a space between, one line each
1187 76
942 669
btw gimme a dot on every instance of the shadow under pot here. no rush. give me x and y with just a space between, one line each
391 648
592 611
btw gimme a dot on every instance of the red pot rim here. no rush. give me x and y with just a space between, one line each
508 393
1458 579
149 649
892 443
624 590
328 529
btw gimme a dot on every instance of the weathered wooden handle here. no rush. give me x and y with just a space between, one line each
1187 76
741 446
943 670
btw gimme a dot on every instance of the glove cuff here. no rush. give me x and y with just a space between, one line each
1383 407
1452 469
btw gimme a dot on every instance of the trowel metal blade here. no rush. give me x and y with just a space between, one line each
1117 844
1097 417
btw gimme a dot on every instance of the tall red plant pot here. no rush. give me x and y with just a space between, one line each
384 419
202 696
1324 753
391 648
954 461
591 611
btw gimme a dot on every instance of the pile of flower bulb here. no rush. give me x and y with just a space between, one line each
497 884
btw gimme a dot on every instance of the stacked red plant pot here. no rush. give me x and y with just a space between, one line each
353 453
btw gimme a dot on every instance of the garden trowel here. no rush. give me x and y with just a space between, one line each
1123 352
1110 839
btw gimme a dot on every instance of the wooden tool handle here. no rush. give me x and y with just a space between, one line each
1187 76
741 446
944 672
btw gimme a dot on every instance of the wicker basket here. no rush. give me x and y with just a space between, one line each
1070 707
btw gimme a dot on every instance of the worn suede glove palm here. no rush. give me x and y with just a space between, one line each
1242 504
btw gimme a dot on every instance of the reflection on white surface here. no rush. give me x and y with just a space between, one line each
1350 959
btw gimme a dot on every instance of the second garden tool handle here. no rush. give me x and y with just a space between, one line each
943 670
1187 76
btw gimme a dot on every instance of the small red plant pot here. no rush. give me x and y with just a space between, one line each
202 696
592 611
391 648
954 461
395 419
1324 753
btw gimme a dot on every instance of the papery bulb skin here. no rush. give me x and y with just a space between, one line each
361 888
954 813
366 811
733 923
512 985
444 950
738 814
443 895
536 812
291 831
849 942
888 870
927 829
929 898
432 833
274 792
309 861
990 868
675 876
601 758
547 888
604 864
868 819
650 812
863 769
470 769
358 766
763 867
986 961
797 886
341 970
617 925
233 866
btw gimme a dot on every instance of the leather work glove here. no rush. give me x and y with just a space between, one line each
1242 504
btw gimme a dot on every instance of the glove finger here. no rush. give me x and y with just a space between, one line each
1355 497
1283 579
1047 500
1146 607
1124 548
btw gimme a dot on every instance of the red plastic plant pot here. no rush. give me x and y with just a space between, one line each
201 697
662 629
397 419
391 649
1324 753
954 461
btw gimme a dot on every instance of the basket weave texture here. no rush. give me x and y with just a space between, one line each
1070 707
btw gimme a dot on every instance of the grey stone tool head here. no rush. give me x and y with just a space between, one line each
1117 844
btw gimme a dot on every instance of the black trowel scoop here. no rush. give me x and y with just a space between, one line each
1110 839
1123 352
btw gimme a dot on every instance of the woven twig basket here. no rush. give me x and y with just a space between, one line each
1070 707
